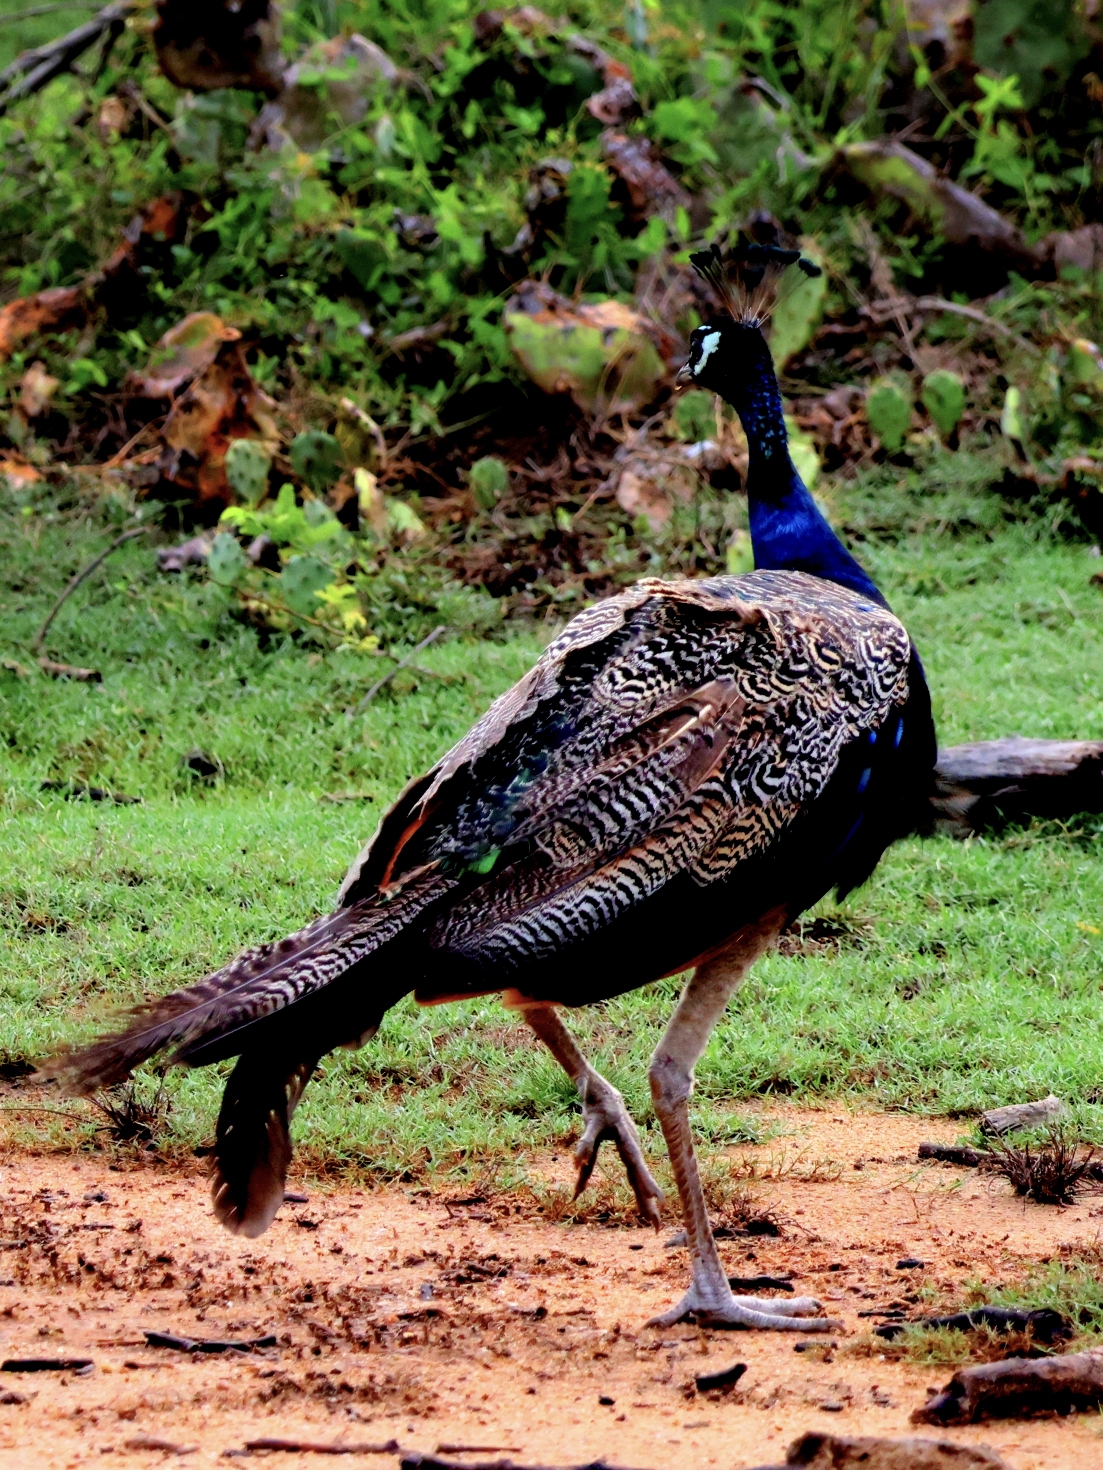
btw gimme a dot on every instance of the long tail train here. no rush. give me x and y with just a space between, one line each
242 1010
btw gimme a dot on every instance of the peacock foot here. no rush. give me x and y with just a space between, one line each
717 1308
604 1117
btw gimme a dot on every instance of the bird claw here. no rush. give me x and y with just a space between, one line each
713 1309
605 1117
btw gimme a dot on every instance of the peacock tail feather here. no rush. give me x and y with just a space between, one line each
258 984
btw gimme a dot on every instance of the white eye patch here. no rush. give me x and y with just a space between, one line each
709 344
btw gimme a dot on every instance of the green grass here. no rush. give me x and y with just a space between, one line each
1071 1287
974 978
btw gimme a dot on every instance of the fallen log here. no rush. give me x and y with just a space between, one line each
962 217
1017 1386
874 1452
989 784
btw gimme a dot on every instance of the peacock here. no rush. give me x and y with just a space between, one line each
687 767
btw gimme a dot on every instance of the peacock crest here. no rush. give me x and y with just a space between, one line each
748 277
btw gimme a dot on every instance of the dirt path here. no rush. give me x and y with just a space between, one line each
400 1316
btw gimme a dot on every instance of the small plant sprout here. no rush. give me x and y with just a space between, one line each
889 411
944 399
489 481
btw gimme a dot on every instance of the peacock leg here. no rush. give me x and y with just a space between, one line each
709 1299
604 1115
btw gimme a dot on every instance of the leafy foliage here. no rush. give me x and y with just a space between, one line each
363 244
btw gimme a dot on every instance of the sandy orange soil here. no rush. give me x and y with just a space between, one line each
403 1315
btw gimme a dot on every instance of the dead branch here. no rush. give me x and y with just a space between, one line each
971 313
37 10
70 671
31 71
403 663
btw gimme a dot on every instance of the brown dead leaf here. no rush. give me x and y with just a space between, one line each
640 495
65 306
18 473
946 23
652 479
114 114
637 162
195 551
1082 248
185 350
45 310
158 223
601 352
617 100
223 403
36 389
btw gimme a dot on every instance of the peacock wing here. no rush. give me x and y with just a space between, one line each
677 728
709 724
528 722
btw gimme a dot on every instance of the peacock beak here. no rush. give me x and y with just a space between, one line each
683 376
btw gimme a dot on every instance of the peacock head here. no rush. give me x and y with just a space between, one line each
730 352
725 356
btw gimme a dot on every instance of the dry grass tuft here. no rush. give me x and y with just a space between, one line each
1052 1173
132 1117
604 1201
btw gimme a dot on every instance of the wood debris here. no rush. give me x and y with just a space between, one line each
1018 1386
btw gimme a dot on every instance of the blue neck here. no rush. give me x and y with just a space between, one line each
788 532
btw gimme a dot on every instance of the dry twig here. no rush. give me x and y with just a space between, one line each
31 71
403 663
80 577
